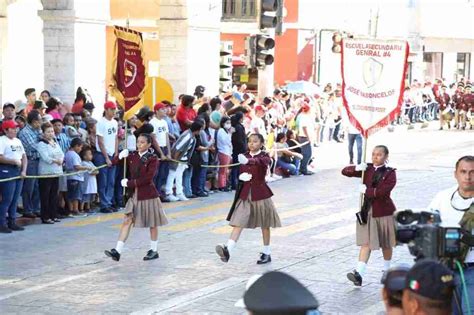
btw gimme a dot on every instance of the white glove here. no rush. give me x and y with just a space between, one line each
124 182
242 159
361 167
123 154
245 177
362 188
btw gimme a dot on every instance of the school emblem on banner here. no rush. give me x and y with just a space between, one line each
129 72
373 81
372 72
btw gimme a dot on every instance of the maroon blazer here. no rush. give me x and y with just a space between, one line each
382 204
257 166
141 175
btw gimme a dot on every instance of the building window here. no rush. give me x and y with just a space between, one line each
433 65
238 10
463 65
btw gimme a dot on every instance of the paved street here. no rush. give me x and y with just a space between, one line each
62 269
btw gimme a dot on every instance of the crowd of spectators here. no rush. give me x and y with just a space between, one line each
197 140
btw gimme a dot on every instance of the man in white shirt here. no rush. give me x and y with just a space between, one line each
456 204
161 134
107 148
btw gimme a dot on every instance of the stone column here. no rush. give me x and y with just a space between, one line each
59 49
189 33
173 34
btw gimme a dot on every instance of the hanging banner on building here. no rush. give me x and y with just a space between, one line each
373 80
129 72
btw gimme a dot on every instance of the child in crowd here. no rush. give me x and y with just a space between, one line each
253 206
73 164
89 187
21 122
69 127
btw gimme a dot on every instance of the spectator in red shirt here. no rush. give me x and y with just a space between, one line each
186 114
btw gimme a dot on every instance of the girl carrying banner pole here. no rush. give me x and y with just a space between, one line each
253 206
144 208
375 222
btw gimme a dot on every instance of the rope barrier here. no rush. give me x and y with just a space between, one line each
105 165
50 176
236 164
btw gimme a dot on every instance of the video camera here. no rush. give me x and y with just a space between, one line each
425 238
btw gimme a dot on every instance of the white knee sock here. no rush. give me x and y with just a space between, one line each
266 250
386 265
119 247
154 245
361 266
230 245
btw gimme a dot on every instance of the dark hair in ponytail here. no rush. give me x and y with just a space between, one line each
260 138
383 148
147 136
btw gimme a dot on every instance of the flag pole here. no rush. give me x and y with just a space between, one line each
125 159
364 156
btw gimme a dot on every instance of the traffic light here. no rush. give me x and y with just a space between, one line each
279 16
267 18
257 51
225 73
336 43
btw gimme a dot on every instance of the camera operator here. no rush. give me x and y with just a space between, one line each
456 208
429 289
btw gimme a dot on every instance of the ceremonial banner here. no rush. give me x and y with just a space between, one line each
373 81
129 72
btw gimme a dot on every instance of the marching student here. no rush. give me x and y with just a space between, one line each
253 206
376 224
144 208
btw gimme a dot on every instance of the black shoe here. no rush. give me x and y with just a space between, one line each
355 277
151 255
56 220
191 196
29 215
226 189
264 259
15 227
223 252
351 162
112 209
4 229
106 210
307 173
113 253
203 194
49 221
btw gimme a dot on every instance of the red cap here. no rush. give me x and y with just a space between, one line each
305 107
259 107
159 106
8 124
110 105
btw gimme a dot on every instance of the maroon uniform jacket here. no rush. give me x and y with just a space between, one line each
468 100
458 100
382 204
443 100
257 166
142 171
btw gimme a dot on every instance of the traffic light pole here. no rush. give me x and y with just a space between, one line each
319 49
267 75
